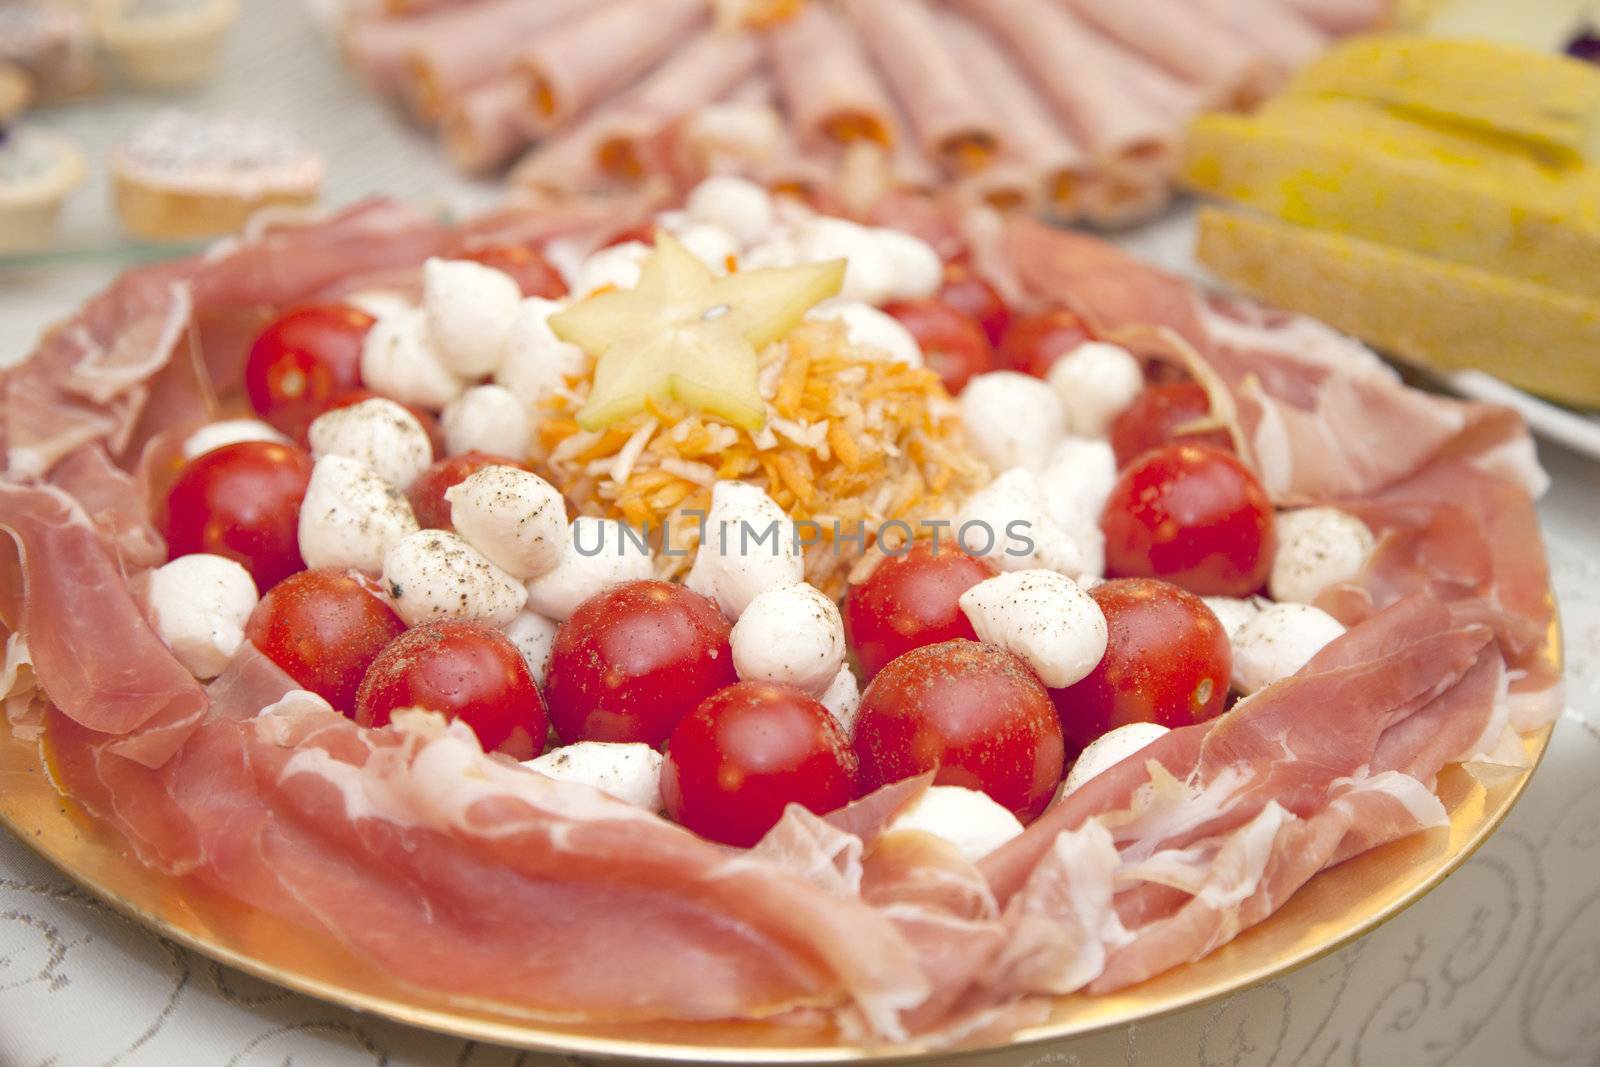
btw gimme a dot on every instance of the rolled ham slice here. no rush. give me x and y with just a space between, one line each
1117 197
1344 16
1285 36
483 130
577 65
1232 72
830 89
955 124
740 133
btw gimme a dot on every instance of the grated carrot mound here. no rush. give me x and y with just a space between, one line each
850 438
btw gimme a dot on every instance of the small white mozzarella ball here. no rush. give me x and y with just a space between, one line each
972 821
470 308
774 253
741 207
748 549
487 418
536 363
199 605
868 327
351 518
534 635
918 270
1233 612
378 433
399 361
1110 749
842 698
1278 642
618 267
710 244
514 517
1011 419
870 270
1095 382
1317 548
629 772
1043 617
1008 523
598 554
1078 478
215 435
435 574
793 635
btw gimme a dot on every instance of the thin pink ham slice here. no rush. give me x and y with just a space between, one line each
1345 16
575 66
1232 72
831 91
1280 33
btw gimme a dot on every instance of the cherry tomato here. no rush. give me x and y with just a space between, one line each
324 628
953 344
302 360
241 501
1192 515
1155 416
356 396
635 659
463 670
749 751
966 291
911 600
427 492
1033 343
973 712
1167 661
527 266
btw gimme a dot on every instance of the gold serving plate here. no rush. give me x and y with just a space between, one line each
1337 906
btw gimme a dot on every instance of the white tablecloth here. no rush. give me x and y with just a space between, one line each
1500 965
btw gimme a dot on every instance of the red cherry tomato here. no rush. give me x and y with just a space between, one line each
463 670
356 396
911 600
1155 418
427 492
967 292
1192 515
302 360
1167 661
324 628
527 267
1033 343
635 659
241 501
973 712
953 345
749 751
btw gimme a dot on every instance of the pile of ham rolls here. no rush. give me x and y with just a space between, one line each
1072 108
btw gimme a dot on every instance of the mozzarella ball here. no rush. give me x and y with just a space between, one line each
793 635
1095 382
1278 642
868 327
970 820
469 308
748 549
487 418
617 267
378 433
710 244
1110 749
1008 523
777 251
1078 478
918 270
534 635
215 435
435 574
514 517
350 517
199 605
1317 548
1011 419
399 361
870 271
536 363
597 554
629 772
1233 612
1043 617
843 698
741 207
